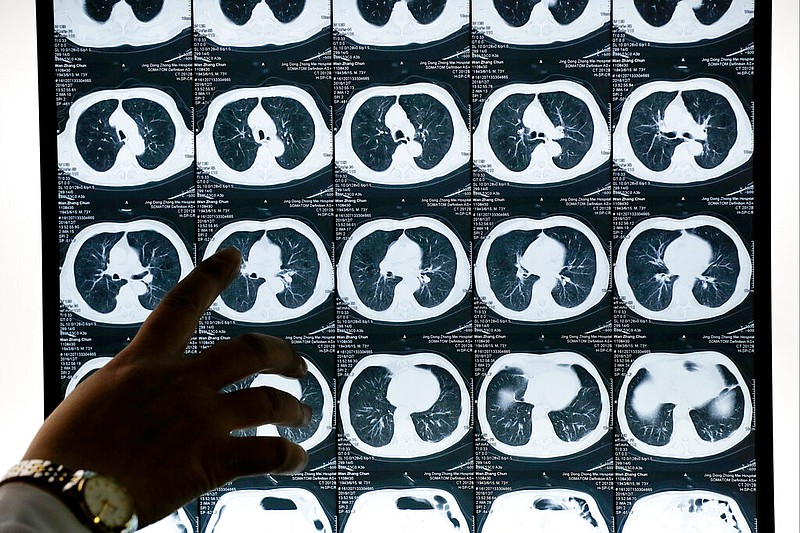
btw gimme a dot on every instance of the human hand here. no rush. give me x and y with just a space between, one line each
156 420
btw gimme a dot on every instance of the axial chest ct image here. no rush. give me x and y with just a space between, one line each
681 21
543 405
552 510
539 22
540 133
125 138
403 270
682 132
431 510
538 270
263 136
118 272
286 270
277 509
314 391
404 406
684 406
402 135
248 23
682 270
400 22
110 23
680 511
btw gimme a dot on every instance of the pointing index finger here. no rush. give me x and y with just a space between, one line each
170 326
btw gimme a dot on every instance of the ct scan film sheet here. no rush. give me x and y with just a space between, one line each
515 242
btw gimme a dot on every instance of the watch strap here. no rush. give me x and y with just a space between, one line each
46 474
61 482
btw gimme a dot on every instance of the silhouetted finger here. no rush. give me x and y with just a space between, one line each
249 456
229 361
257 406
172 323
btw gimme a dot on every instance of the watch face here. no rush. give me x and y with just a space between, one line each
107 502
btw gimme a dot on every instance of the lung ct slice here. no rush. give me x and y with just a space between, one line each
684 406
432 510
682 132
403 270
681 21
263 136
402 135
111 23
117 272
286 270
313 390
400 22
543 406
553 510
124 138
536 134
538 22
404 406
541 270
379 12
288 509
247 23
682 270
676 511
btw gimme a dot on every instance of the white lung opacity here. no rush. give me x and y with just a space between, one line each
538 270
684 511
264 136
109 23
537 22
684 406
399 22
402 135
282 509
286 270
314 391
401 510
177 522
681 21
404 406
125 138
545 511
86 369
543 405
682 132
403 270
682 270
247 23
541 133
118 272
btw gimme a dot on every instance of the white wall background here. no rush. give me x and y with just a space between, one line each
21 264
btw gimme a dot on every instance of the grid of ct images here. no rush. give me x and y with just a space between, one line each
513 241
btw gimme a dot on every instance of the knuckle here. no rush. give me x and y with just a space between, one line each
283 448
273 401
255 343
183 302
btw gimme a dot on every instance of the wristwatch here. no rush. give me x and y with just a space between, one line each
98 501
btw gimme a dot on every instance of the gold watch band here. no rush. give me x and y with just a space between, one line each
66 485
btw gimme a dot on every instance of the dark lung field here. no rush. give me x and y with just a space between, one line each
117 273
541 270
543 406
403 270
285 273
404 406
684 406
125 138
